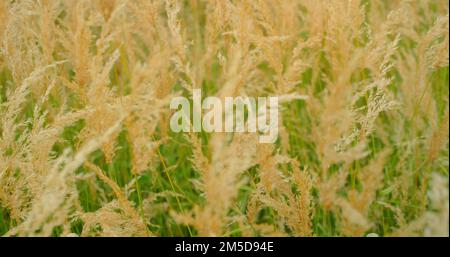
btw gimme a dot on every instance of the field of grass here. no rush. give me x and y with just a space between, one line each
85 143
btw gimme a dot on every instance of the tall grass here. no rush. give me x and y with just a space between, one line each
85 144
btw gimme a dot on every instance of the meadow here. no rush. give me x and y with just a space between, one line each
85 143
